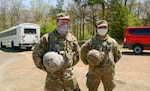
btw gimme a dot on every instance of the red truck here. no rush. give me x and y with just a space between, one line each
137 38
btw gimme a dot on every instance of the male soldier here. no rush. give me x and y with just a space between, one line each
66 45
103 69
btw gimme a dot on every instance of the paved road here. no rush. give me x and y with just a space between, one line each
18 72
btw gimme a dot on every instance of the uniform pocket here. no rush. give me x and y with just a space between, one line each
70 82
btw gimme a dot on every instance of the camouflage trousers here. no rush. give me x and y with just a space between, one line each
94 80
62 84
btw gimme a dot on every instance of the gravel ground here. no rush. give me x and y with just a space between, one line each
18 72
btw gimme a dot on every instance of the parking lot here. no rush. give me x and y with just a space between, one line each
18 72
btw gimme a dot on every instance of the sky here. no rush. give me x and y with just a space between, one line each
53 2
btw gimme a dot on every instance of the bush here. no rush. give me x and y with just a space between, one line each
47 27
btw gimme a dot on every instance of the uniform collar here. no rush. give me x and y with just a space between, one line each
103 39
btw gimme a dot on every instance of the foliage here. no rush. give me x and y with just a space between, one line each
47 27
83 13
134 21
59 6
119 18
92 2
87 35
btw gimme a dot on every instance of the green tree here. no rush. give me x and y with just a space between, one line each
59 6
39 10
47 27
102 2
119 17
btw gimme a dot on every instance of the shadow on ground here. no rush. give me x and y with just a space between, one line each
147 53
8 49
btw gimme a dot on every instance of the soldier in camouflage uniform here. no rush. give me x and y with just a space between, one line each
65 44
105 71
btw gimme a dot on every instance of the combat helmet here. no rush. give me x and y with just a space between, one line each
63 16
94 57
53 61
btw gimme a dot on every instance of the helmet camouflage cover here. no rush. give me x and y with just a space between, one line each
53 61
94 57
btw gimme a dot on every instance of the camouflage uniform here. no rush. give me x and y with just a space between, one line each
68 47
105 70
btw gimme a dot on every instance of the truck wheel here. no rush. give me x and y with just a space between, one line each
29 48
137 49
2 45
12 45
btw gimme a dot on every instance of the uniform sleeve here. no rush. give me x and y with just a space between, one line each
116 52
84 50
76 50
38 52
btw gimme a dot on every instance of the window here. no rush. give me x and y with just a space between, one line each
30 31
9 33
140 31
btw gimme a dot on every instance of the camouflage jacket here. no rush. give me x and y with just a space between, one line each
108 46
67 46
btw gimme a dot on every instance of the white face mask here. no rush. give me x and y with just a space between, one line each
62 29
102 31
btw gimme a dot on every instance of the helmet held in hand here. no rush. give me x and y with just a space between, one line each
53 61
94 57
